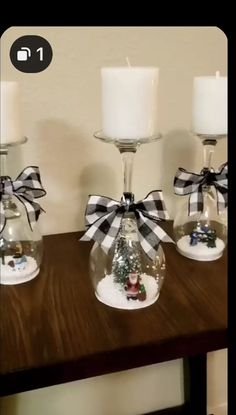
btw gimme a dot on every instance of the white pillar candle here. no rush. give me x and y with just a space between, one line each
11 130
210 104
129 102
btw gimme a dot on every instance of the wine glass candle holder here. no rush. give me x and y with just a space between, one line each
202 234
125 276
20 245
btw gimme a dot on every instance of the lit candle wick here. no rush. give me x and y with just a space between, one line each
217 74
128 62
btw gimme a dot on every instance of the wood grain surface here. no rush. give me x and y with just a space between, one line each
54 330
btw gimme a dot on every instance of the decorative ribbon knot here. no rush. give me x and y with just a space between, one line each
104 215
191 183
26 188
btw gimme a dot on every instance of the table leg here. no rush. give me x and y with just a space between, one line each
195 384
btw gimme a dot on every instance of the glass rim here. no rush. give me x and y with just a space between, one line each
126 141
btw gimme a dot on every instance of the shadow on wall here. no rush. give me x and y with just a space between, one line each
15 163
61 150
69 173
179 149
96 178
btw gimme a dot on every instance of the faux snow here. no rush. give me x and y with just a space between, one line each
113 294
26 272
200 252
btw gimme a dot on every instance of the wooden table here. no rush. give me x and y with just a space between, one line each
54 330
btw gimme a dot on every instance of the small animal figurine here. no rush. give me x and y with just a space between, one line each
18 262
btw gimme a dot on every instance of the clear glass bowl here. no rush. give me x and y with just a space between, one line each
202 236
126 277
20 248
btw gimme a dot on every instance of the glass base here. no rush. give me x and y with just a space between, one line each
200 252
6 145
209 136
113 295
12 276
132 305
132 142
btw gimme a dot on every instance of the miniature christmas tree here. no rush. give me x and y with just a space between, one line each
127 259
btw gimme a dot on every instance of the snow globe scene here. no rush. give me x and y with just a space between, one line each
202 236
126 278
20 247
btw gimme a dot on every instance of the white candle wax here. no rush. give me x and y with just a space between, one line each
129 102
210 104
11 130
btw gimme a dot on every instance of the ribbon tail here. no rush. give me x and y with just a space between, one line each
150 235
32 209
2 217
104 230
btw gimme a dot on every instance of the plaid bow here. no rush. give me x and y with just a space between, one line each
103 220
26 188
191 183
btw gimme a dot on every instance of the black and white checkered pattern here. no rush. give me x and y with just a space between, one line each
26 188
103 221
191 183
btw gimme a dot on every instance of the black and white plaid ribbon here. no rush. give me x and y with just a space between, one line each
26 188
191 183
103 220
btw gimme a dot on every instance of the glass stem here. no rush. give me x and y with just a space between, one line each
208 151
3 172
209 148
127 159
3 159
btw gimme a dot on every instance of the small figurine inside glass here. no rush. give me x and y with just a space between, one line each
203 235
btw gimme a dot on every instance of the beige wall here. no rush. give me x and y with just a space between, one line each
130 392
61 108
217 382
